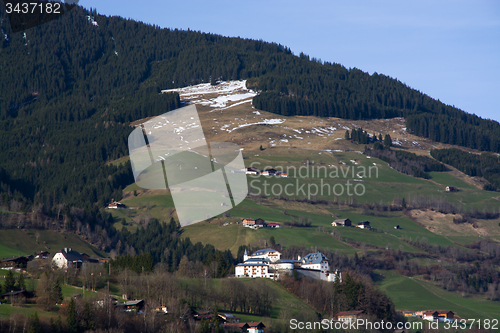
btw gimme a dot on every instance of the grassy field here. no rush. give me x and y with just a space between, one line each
414 294
232 236
7 310
69 291
23 242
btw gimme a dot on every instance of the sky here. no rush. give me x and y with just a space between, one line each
447 49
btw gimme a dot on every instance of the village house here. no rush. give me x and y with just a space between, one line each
251 327
16 295
364 225
162 309
281 174
341 223
136 305
254 224
42 255
444 316
14 263
252 171
409 314
348 316
268 172
68 258
229 318
451 189
248 222
116 205
273 225
429 315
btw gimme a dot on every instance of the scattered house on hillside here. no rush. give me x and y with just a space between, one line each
116 205
268 172
348 316
260 223
162 309
250 327
136 305
342 223
103 260
229 318
15 295
254 224
273 225
67 258
409 314
451 189
13 263
42 255
443 316
248 222
281 174
101 302
205 315
252 171
363 225
429 315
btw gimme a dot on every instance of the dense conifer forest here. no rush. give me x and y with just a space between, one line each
70 89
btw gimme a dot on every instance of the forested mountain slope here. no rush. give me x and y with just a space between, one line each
71 87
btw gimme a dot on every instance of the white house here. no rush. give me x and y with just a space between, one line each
253 269
270 254
67 258
315 261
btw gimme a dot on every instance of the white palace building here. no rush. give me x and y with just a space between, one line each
267 263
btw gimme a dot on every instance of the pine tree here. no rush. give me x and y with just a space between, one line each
10 282
71 322
21 285
35 324
387 141
346 135
56 292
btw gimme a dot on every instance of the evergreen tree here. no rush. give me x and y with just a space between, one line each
35 324
346 135
56 292
10 282
204 326
387 141
21 285
71 321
